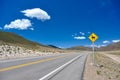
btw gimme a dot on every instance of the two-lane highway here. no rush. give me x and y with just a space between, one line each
55 67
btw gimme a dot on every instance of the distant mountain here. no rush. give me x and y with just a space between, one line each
80 48
110 47
54 46
14 39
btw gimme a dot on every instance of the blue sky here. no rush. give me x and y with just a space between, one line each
63 23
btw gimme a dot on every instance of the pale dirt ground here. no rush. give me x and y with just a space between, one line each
109 71
90 71
114 57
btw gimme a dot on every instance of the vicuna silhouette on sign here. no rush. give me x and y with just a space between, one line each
93 37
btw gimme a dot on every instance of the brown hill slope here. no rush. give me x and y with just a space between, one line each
110 47
80 48
14 39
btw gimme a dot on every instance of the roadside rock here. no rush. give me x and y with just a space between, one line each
8 51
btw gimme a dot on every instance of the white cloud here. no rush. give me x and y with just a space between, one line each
36 13
115 41
89 32
106 42
98 46
101 46
82 33
21 24
72 35
80 37
32 29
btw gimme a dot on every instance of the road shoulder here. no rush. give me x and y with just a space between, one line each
108 68
90 71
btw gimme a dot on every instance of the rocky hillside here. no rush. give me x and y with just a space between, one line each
82 48
12 51
8 37
13 45
110 47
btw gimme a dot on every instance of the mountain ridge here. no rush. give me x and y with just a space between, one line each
110 47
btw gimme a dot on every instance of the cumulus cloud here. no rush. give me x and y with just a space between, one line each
79 37
106 42
72 35
20 24
36 13
115 41
89 32
82 33
98 46
101 46
32 29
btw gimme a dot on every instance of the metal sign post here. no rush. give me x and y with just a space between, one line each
93 48
93 37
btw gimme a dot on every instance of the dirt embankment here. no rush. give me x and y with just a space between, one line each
108 68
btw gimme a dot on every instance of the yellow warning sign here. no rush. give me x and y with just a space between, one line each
93 37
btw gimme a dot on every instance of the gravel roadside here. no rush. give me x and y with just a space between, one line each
108 70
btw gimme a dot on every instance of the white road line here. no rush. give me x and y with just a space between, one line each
59 68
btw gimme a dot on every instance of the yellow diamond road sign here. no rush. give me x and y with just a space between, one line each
93 37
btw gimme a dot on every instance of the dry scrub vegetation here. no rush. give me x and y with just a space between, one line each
108 67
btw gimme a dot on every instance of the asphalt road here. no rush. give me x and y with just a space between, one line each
51 67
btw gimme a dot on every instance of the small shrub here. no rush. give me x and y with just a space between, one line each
109 78
98 72
117 76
